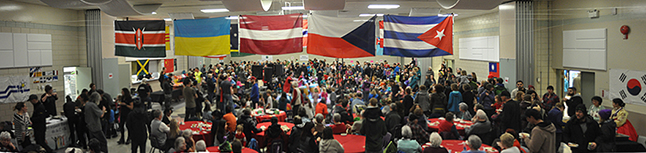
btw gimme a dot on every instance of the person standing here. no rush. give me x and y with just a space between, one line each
550 98
21 123
455 97
210 87
297 98
573 101
581 129
49 100
510 117
70 112
189 96
519 87
81 126
93 119
144 91
225 91
255 92
137 128
543 134
38 121
125 100
487 99
374 128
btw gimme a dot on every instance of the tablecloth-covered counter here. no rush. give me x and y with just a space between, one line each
58 133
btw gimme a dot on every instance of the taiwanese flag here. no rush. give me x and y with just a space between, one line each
493 70
140 38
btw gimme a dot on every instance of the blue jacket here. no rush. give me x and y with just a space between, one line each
255 93
556 117
455 97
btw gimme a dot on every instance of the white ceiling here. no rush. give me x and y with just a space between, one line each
352 8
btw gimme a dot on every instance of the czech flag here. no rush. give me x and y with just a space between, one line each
493 70
341 37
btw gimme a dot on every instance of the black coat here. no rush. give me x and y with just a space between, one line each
408 103
574 133
249 124
510 117
572 103
39 116
374 128
136 125
606 141
70 112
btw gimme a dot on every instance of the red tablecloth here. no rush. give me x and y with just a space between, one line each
352 143
244 150
204 133
435 122
456 146
261 136
281 117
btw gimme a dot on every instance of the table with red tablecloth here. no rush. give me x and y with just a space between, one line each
456 146
217 149
281 116
434 124
261 136
203 132
352 143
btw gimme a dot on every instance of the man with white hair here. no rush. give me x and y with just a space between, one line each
93 119
5 143
474 144
200 146
481 124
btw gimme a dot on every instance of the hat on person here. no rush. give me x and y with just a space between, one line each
252 78
605 114
581 107
32 97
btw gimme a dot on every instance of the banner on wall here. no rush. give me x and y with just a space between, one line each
628 86
14 89
169 64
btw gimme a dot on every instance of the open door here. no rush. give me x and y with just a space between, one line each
83 78
76 79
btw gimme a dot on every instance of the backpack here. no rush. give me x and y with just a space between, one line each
276 146
225 147
391 148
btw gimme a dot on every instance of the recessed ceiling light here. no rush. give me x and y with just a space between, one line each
153 13
214 10
383 6
293 8
168 19
371 14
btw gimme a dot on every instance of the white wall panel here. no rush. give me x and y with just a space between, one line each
6 58
585 49
20 50
6 41
480 48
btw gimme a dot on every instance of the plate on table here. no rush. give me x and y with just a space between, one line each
572 144
523 134
441 118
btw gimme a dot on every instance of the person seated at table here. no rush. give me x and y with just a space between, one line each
308 140
5 143
447 128
167 113
188 137
275 134
240 134
249 124
620 116
340 106
295 136
507 144
422 120
406 144
218 128
173 134
303 113
159 130
200 146
338 126
206 113
321 108
328 144
464 112
480 126
236 146
356 126
319 125
436 141
179 146
418 133
606 141
474 144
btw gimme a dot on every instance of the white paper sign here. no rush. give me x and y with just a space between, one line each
304 58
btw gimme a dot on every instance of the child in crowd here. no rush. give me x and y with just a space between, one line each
240 135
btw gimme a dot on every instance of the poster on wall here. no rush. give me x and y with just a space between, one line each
14 89
266 58
628 86
304 58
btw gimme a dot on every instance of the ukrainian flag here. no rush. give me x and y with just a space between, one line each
202 37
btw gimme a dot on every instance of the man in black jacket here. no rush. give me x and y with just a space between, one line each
510 117
70 112
574 100
393 120
249 123
38 122
374 128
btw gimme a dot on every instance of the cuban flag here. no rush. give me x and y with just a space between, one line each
493 70
424 36
341 37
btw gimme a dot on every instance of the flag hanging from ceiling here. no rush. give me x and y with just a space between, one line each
341 37
140 38
380 39
271 35
493 70
202 37
167 37
305 25
425 36
234 37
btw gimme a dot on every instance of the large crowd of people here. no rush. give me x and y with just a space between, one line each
387 103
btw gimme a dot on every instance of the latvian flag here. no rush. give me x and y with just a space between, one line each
271 35
140 38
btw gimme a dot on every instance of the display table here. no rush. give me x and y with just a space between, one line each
57 134
352 143
459 124
244 150
456 146
266 117
261 136
201 130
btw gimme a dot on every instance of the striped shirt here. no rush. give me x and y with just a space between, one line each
21 122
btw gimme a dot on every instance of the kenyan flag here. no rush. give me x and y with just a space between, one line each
140 38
